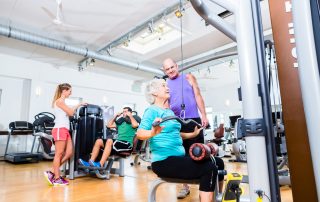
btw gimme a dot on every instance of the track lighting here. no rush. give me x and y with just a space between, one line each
178 13
125 43
80 68
92 62
150 27
231 64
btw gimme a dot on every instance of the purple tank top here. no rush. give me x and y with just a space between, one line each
175 87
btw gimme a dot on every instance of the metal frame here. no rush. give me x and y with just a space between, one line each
248 34
309 78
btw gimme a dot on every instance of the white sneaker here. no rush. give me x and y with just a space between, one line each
183 193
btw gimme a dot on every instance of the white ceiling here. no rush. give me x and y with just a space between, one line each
99 22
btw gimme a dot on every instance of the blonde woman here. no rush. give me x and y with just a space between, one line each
60 133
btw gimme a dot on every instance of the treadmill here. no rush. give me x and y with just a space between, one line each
21 128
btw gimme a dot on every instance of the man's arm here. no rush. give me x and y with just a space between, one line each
134 123
111 123
200 103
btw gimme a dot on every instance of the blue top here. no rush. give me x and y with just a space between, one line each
168 142
188 97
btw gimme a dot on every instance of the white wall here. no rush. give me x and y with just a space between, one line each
217 97
90 86
19 79
10 106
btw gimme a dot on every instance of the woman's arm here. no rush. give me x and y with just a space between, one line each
70 111
146 134
192 134
143 134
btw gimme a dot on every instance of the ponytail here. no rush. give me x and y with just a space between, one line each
59 89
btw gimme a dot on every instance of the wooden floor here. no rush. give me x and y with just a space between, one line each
25 182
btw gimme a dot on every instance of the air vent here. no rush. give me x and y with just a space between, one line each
225 14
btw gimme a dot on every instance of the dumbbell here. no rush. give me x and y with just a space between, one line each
199 151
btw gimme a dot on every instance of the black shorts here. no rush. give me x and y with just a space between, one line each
188 129
119 146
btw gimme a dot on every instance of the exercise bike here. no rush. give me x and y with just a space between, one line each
42 127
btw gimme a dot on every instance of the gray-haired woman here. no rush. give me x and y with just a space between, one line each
168 154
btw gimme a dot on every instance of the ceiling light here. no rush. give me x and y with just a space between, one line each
125 43
150 27
178 13
92 61
80 68
231 63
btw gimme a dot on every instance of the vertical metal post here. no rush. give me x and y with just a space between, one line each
266 104
309 78
251 100
254 124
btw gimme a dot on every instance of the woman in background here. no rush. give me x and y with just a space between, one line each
60 133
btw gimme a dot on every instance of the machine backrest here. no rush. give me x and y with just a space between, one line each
94 110
90 126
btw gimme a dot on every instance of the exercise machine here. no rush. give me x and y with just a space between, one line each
42 127
21 128
88 125
258 131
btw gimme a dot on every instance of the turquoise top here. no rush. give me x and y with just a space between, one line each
168 142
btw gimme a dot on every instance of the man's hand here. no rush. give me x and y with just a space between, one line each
129 114
119 114
204 121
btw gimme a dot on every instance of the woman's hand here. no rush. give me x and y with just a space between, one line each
156 129
197 130
83 104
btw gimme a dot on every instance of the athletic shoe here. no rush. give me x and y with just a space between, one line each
183 193
83 163
60 182
49 176
94 164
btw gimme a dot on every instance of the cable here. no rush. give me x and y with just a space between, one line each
260 194
183 106
267 196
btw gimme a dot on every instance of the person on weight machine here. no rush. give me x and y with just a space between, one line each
185 101
168 154
126 125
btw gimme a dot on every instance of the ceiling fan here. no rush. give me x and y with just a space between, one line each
58 19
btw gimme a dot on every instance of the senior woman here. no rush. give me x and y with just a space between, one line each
168 154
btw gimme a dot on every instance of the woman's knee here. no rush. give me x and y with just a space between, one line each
68 153
59 154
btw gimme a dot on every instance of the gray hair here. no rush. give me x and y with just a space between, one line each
151 88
